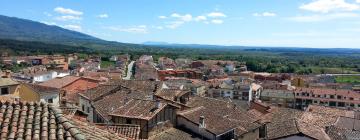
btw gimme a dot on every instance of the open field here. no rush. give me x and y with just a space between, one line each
348 79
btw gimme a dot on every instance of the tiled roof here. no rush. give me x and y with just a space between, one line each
42 89
99 91
60 82
140 109
124 130
7 82
324 116
220 116
321 91
137 85
348 123
35 121
278 93
338 133
170 94
93 132
286 122
174 134
106 104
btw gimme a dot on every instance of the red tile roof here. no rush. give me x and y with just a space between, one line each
35 121
140 109
60 82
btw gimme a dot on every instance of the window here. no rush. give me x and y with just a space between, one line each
318 96
50 100
332 96
88 109
341 104
128 121
83 107
338 97
351 98
4 91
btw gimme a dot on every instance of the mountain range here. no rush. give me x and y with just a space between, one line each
28 30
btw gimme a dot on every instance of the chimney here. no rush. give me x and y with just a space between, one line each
202 122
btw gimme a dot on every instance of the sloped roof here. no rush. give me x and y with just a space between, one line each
42 89
60 82
220 116
35 121
140 109
286 122
7 82
170 94
174 134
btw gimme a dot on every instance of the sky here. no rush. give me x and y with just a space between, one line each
275 23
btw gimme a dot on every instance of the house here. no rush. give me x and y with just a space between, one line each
130 107
69 87
34 74
196 64
190 74
229 68
284 123
166 63
217 120
145 70
231 89
8 87
182 63
255 90
38 93
298 82
152 116
284 98
173 95
339 98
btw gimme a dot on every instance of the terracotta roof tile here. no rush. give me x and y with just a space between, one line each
60 82
35 121
141 109
220 116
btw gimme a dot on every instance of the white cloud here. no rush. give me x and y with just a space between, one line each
73 27
62 10
175 24
186 17
326 17
162 17
325 6
358 1
217 21
200 18
265 14
140 29
67 17
216 15
103 16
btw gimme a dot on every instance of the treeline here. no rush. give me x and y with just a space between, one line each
284 60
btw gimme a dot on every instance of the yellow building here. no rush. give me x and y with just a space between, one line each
298 82
38 93
8 87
